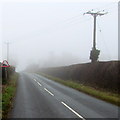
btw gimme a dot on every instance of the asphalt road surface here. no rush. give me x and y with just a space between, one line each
39 97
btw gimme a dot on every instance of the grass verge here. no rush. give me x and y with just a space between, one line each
0 98
103 95
8 92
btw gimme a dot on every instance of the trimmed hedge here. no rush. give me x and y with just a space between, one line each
6 72
101 75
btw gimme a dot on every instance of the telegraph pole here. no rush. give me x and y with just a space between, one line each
7 51
94 52
7 43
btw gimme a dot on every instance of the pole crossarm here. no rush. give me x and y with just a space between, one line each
96 13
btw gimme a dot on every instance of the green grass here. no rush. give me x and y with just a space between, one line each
8 93
0 104
103 95
1 97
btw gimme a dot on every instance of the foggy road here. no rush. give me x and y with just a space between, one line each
39 97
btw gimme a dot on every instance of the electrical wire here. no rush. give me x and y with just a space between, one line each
104 41
77 19
106 7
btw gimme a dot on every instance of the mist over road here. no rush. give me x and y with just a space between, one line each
39 97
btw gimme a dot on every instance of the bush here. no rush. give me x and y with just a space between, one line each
101 75
6 72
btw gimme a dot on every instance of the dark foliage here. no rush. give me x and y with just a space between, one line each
102 75
6 72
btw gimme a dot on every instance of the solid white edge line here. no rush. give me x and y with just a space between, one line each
48 91
39 83
72 110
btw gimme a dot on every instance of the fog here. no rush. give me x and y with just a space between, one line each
49 34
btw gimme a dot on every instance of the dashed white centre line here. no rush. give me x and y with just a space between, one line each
62 102
48 91
39 84
72 110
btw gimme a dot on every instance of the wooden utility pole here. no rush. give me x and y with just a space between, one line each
94 52
7 43
7 51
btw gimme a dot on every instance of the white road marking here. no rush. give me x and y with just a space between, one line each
34 79
72 110
39 84
49 92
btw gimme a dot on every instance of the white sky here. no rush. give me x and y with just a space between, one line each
3 1
54 33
